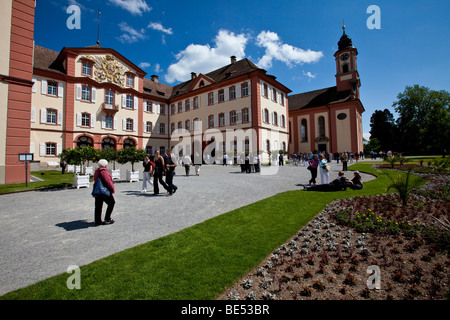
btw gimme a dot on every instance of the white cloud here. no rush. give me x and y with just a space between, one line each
204 58
309 75
136 7
130 34
277 50
158 68
159 27
144 65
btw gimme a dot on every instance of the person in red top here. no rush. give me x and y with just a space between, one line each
103 174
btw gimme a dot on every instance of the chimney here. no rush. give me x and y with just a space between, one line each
193 75
233 59
155 78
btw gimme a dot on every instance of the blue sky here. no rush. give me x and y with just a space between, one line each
292 39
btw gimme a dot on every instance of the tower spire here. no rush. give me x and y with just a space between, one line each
98 27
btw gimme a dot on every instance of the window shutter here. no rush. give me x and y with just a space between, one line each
135 103
227 119
33 114
249 88
42 149
31 147
93 120
238 91
78 91
226 93
124 124
60 89
216 120
115 124
145 127
124 100
33 89
216 97
145 105
94 95
43 115
58 148
44 86
134 124
207 122
59 117
249 114
239 116
103 121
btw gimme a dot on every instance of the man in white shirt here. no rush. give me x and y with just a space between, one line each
187 162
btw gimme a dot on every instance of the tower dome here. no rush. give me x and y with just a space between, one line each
345 42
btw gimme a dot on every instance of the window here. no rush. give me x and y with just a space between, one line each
245 115
233 117
85 119
129 102
187 104
109 97
245 89
321 122
275 119
266 116
149 150
274 93
211 98
210 121
109 122
50 149
149 106
148 126
265 92
162 128
84 141
52 88
172 127
282 98
221 119
196 103
129 125
172 109
86 69
180 125
180 107
130 80
51 116
283 121
304 130
162 109
187 125
108 143
221 95
345 68
85 93
128 143
232 92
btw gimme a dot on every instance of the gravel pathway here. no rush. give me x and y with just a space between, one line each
42 233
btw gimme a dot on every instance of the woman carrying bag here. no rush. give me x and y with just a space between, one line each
312 166
103 192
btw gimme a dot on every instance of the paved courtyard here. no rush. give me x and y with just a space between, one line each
42 233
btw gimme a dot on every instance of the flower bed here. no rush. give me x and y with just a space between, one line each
329 257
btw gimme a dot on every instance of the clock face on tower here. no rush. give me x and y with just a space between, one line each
345 56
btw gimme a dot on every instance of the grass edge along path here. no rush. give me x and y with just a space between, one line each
199 262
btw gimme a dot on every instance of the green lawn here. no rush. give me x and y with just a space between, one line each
51 179
200 262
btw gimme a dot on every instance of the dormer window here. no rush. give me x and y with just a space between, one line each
86 69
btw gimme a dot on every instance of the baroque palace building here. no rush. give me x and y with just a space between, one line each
94 96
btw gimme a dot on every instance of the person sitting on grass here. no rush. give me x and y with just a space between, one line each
338 184
356 182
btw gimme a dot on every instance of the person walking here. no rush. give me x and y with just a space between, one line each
187 162
159 172
312 166
103 174
149 168
170 173
225 157
344 159
324 174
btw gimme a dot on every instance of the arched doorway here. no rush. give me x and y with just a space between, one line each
108 143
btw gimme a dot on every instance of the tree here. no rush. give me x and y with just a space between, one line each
110 155
424 120
130 154
382 126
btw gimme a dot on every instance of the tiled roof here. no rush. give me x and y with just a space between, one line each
157 89
318 98
45 59
239 68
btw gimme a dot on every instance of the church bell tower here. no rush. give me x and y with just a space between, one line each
347 76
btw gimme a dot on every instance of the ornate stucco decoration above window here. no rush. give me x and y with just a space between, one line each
322 139
108 69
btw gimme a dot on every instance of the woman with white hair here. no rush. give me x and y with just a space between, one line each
103 174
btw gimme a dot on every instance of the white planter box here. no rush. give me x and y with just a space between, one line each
81 181
132 175
89 171
115 174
